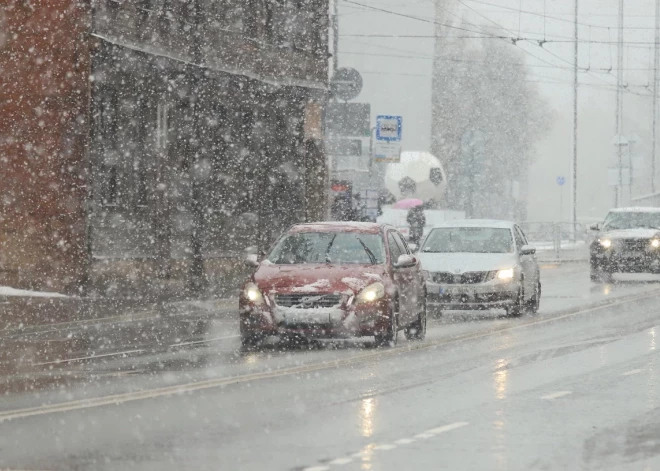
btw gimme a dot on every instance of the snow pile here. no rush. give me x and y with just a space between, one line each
354 283
8 291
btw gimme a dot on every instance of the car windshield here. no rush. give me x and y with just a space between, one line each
469 240
631 220
329 247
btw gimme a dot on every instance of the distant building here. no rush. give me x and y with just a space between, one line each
197 134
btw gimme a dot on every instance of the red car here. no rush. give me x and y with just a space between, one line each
335 280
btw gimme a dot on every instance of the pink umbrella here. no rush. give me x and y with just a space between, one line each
407 204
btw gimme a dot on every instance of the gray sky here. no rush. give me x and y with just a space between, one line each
397 77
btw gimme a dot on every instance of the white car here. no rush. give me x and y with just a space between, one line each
480 264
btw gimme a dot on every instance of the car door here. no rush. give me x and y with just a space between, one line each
536 271
409 288
398 274
527 262
418 280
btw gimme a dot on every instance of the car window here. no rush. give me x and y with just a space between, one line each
518 238
329 247
469 240
631 220
395 250
402 243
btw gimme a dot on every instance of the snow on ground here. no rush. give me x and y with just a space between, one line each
8 291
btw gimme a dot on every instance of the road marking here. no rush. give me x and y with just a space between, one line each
385 447
196 342
556 395
341 461
447 428
317 468
67 360
200 385
404 441
631 372
424 435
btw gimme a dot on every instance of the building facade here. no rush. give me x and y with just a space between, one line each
204 136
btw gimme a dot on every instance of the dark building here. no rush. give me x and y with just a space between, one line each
204 135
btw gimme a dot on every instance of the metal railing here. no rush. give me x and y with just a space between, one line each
559 240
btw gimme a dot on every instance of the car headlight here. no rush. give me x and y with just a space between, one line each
506 274
606 243
655 243
371 293
253 294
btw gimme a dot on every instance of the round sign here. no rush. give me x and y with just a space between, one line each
346 84
561 181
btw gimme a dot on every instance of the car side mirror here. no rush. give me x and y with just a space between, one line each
527 250
595 227
252 260
405 261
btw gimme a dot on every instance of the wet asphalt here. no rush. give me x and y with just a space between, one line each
575 386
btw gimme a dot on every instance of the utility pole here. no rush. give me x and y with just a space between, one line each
335 36
656 58
619 105
575 120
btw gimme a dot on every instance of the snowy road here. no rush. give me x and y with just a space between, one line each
576 386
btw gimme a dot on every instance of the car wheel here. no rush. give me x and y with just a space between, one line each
534 303
390 336
417 330
519 307
250 339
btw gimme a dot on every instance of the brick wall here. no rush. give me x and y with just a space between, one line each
44 86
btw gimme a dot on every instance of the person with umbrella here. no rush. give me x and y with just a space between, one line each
416 219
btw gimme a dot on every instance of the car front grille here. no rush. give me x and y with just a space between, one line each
468 278
634 245
308 300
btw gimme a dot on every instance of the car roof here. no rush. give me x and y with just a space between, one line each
493 223
339 226
637 209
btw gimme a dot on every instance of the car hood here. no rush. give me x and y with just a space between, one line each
467 262
638 233
315 278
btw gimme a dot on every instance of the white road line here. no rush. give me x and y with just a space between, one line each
66 360
317 468
447 428
556 395
424 435
196 342
405 441
631 372
385 447
341 461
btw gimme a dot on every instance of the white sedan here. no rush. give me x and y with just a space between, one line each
481 264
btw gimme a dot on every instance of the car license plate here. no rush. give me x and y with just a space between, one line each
452 291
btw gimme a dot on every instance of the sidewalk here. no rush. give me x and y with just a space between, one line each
23 312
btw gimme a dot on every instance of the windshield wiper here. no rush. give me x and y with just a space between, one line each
371 255
327 251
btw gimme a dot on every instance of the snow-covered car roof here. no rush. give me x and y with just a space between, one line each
638 209
493 223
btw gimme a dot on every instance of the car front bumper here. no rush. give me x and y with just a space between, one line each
489 295
628 262
339 322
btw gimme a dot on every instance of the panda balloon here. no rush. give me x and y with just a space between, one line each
419 175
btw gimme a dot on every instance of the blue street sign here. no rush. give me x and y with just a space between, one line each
388 128
561 181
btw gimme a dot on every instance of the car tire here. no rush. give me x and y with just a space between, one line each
534 304
250 340
390 336
519 308
417 330
600 275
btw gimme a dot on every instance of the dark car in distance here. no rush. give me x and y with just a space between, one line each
628 241
335 280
